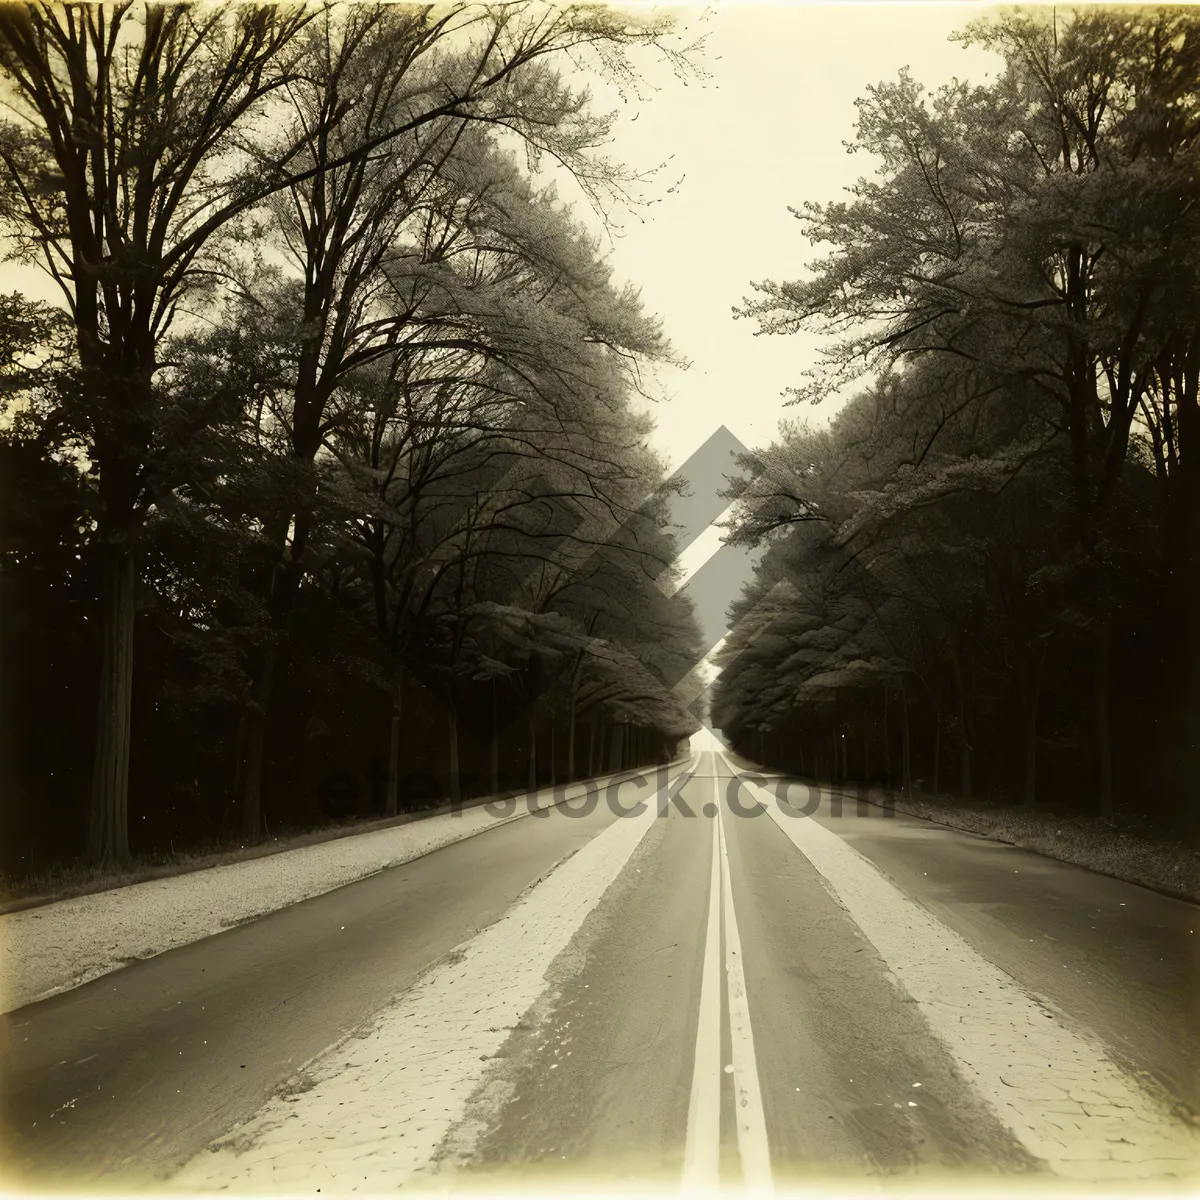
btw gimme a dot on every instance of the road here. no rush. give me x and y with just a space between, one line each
715 990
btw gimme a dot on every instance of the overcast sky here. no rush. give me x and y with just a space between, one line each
764 132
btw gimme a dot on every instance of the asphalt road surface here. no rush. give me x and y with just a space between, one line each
734 985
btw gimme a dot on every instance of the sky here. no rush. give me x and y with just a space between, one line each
765 131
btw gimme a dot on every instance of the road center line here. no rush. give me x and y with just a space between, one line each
701 1157
751 1123
701 1161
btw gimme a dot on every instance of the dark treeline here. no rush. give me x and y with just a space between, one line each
324 492
982 577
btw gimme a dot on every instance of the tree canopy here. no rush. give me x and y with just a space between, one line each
1008 505
335 434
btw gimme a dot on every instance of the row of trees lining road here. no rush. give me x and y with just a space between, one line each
983 575
329 468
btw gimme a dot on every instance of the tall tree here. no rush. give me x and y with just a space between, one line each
140 133
1039 234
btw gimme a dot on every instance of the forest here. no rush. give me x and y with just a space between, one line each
326 482
981 577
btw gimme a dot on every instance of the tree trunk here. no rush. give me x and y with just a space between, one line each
906 746
455 779
1029 787
108 829
1187 587
591 751
937 752
617 751
533 763
1103 634
964 743
392 805
887 740
553 752
571 740
1031 692
495 745
252 739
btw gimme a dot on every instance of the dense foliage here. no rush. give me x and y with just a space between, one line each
983 574
326 492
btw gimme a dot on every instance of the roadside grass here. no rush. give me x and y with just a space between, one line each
1126 847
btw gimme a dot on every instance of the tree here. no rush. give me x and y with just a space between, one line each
141 133
1037 236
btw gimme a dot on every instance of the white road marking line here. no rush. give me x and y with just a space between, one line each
702 1150
382 1100
1052 1086
751 1123
701 1162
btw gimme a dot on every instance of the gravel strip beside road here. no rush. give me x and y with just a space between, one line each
58 946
